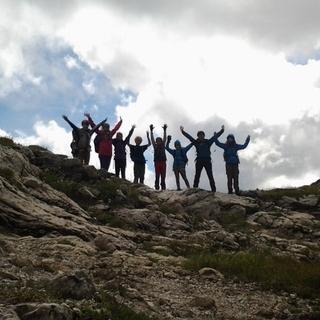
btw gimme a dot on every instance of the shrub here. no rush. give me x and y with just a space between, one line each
277 194
272 272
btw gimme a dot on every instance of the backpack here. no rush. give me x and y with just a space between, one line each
96 143
74 143
84 139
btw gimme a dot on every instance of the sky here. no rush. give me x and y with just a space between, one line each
251 65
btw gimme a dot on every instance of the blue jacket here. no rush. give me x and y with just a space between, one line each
203 147
179 156
231 150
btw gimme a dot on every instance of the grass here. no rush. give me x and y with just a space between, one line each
109 308
272 272
16 295
277 194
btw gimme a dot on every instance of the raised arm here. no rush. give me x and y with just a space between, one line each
152 136
97 126
243 146
171 151
188 147
219 144
117 127
216 135
148 138
187 135
70 123
164 133
91 122
127 139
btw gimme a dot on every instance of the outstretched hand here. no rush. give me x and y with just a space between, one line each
133 126
181 128
222 127
165 126
65 117
87 114
151 127
248 137
169 138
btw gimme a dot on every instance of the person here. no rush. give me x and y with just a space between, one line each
231 158
137 156
104 141
120 156
203 158
179 161
160 159
80 145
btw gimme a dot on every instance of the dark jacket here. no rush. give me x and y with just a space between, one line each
203 147
136 153
120 147
179 156
231 150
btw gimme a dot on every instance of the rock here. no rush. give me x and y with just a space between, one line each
211 274
204 302
86 194
111 242
45 311
8 314
73 286
32 182
309 201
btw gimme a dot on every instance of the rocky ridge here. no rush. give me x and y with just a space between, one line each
72 237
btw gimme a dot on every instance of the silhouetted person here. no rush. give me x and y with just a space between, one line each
80 144
231 158
179 161
104 141
160 159
203 159
120 155
137 156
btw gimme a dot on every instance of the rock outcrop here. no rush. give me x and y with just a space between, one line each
73 238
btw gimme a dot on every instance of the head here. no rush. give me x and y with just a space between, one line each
159 141
85 124
119 136
138 140
231 139
106 126
201 135
177 144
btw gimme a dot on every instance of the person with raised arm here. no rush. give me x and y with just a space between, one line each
137 156
80 145
103 141
160 159
203 158
231 158
120 155
180 160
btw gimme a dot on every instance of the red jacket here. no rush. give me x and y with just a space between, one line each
105 145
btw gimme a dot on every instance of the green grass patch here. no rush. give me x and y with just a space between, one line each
7 142
272 272
277 194
109 308
15 295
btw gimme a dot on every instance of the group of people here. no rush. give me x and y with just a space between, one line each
104 142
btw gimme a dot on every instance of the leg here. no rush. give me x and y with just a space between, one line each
135 172
199 166
163 171
208 167
236 180
108 160
117 167
123 168
157 171
142 172
176 174
102 162
229 178
184 177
